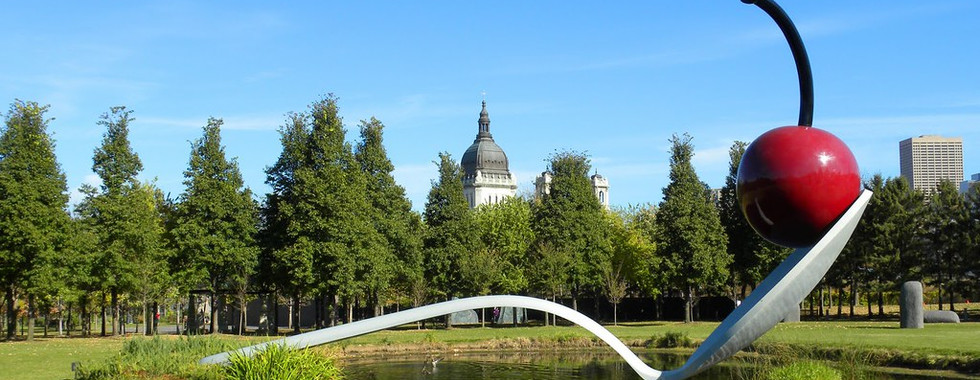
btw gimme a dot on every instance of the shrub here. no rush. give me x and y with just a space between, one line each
670 340
156 357
280 362
805 370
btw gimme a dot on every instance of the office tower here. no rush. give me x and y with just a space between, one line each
927 160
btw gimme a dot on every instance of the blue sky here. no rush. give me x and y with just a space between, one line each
613 80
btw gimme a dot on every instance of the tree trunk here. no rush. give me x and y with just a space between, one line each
214 313
854 296
274 329
103 316
114 306
156 321
30 318
514 312
191 315
334 310
146 319
318 311
85 318
867 297
11 314
881 304
615 314
295 314
243 314
840 301
688 305
820 297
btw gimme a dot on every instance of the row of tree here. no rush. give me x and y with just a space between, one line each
337 232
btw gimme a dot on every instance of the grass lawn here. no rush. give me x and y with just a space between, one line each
52 358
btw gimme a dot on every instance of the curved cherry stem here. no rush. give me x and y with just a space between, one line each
799 55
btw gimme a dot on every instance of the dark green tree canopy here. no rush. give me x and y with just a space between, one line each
570 219
216 216
451 228
115 162
691 237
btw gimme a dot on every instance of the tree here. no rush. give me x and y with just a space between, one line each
569 218
649 272
632 258
401 257
284 264
973 256
33 220
451 230
216 220
752 256
692 240
332 220
948 227
505 229
122 213
548 270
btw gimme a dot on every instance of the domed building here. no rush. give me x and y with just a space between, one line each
486 174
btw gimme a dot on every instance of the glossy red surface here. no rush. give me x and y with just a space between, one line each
794 182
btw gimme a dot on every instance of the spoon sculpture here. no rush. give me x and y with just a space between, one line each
786 199
776 296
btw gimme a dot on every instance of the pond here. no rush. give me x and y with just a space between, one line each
544 365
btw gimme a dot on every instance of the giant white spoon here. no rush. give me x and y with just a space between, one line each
775 297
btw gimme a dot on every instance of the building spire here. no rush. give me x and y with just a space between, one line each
484 121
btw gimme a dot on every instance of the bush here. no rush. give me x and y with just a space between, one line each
156 357
280 362
670 340
805 370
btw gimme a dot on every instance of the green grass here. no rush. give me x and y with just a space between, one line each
51 358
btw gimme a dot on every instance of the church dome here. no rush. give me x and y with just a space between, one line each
484 154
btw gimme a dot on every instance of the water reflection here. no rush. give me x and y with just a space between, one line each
541 365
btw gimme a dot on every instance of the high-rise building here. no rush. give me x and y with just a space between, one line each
486 172
927 160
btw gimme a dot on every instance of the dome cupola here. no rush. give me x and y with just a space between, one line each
484 155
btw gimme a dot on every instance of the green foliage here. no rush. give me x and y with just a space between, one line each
505 230
279 362
804 370
633 258
569 218
548 269
33 199
450 229
691 237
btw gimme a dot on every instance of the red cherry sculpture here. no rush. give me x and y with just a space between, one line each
794 182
